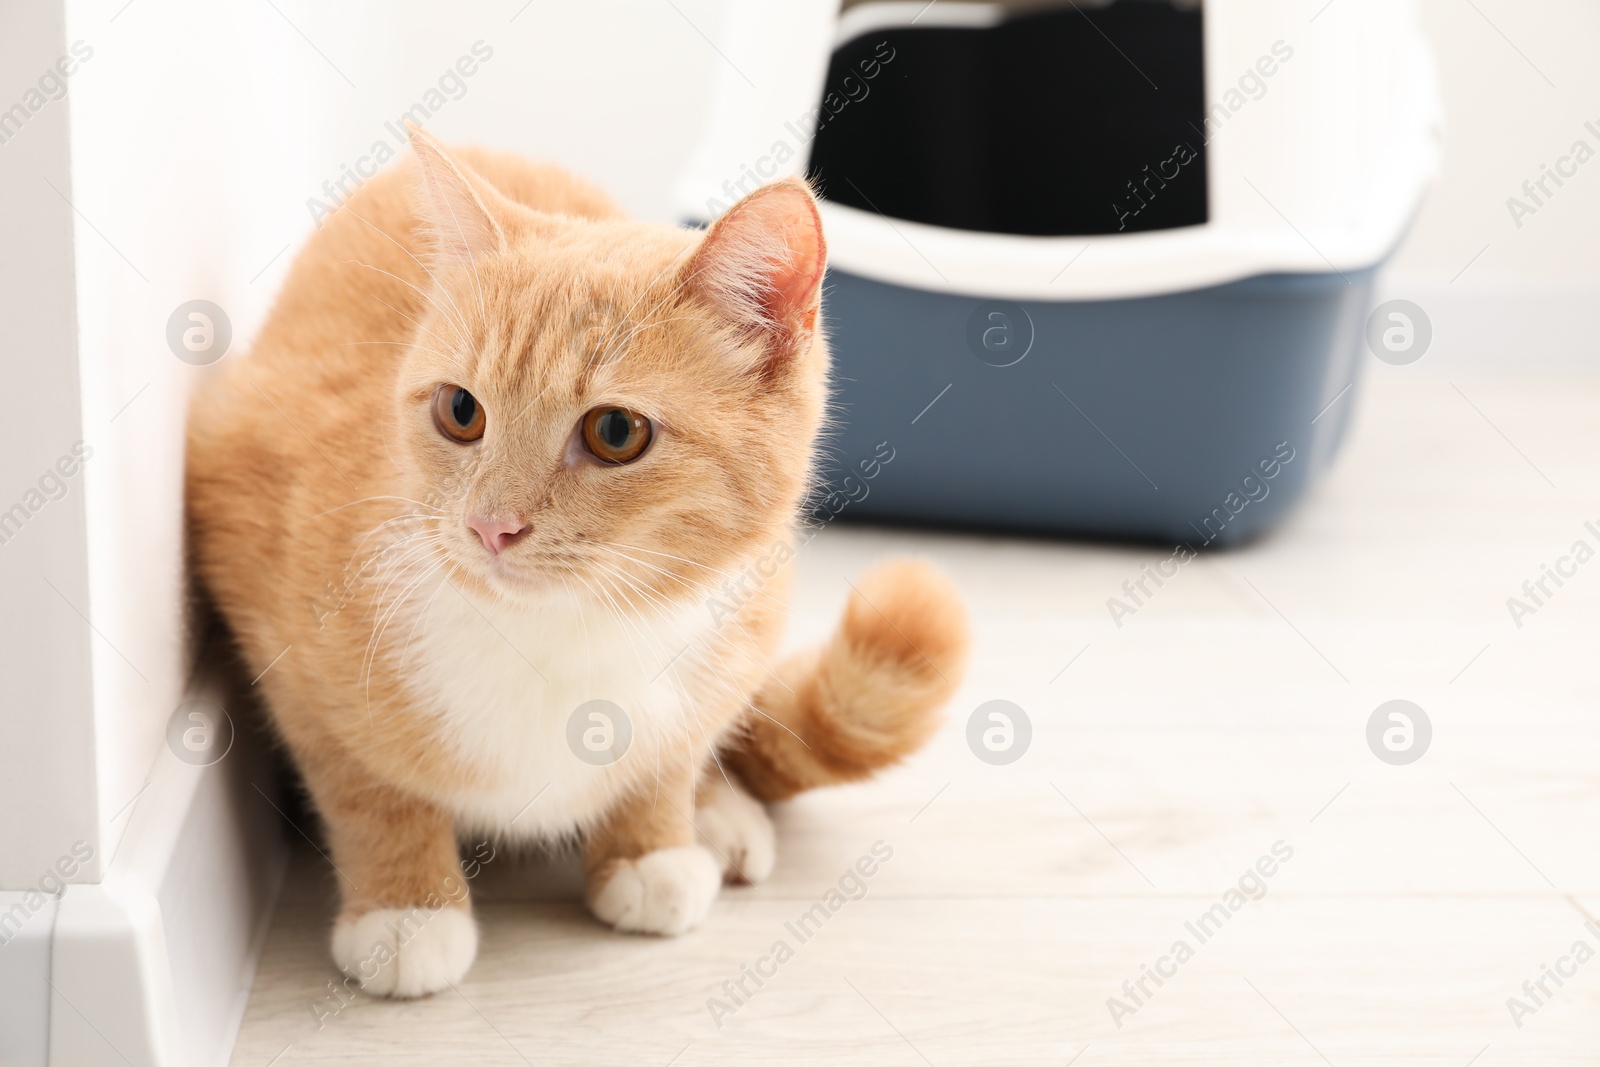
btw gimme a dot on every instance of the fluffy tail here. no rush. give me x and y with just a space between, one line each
866 699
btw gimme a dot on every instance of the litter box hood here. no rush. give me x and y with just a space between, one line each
1315 167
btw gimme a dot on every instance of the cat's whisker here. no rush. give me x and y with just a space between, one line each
568 577
691 586
390 238
603 351
759 661
368 499
418 524
665 606
370 653
707 586
472 259
671 665
683 691
418 323
381 567
411 345
620 617
704 639
685 280
377 638
714 674
374 566
422 614
411 524
714 572
378 562
613 346
460 325
400 573
389 571
621 345
650 600
745 701
711 748
382 604
653 552
383 624
423 330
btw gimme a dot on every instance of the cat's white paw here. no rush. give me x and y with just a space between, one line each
666 891
398 953
735 826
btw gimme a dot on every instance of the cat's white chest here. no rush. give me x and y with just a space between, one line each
538 701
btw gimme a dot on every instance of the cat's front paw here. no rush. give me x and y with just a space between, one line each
735 826
666 891
406 953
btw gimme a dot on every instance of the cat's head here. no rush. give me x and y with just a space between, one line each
610 405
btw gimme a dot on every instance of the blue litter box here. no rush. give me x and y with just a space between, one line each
1097 269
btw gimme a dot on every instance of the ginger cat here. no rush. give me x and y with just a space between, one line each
495 451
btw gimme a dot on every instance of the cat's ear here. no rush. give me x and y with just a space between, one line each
462 212
761 266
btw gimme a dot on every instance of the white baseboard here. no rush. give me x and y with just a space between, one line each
152 967
26 920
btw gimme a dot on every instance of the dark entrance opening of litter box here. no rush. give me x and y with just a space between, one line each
1085 119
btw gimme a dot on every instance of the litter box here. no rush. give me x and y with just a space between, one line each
1096 269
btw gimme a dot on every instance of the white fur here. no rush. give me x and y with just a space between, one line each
735 827
397 953
667 891
479 666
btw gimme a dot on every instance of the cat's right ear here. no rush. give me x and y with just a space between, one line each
762 264
462 212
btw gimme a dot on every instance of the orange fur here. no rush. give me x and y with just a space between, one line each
327 517
866 699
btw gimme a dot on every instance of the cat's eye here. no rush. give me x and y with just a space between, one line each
458 414
616 435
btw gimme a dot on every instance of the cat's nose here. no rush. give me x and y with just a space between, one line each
497 534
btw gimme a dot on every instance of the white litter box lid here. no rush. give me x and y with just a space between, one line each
1318 172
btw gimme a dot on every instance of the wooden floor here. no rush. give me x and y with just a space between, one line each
1168 756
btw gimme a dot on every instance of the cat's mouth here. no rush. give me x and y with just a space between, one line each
536 572
519 576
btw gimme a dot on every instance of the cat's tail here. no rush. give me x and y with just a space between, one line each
867 698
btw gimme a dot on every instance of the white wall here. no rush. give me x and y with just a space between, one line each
1504 121
47 784
185 120
1527 301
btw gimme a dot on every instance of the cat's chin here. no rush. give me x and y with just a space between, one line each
520 589
518 585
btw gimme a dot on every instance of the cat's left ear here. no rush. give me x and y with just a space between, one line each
761 266
460 209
